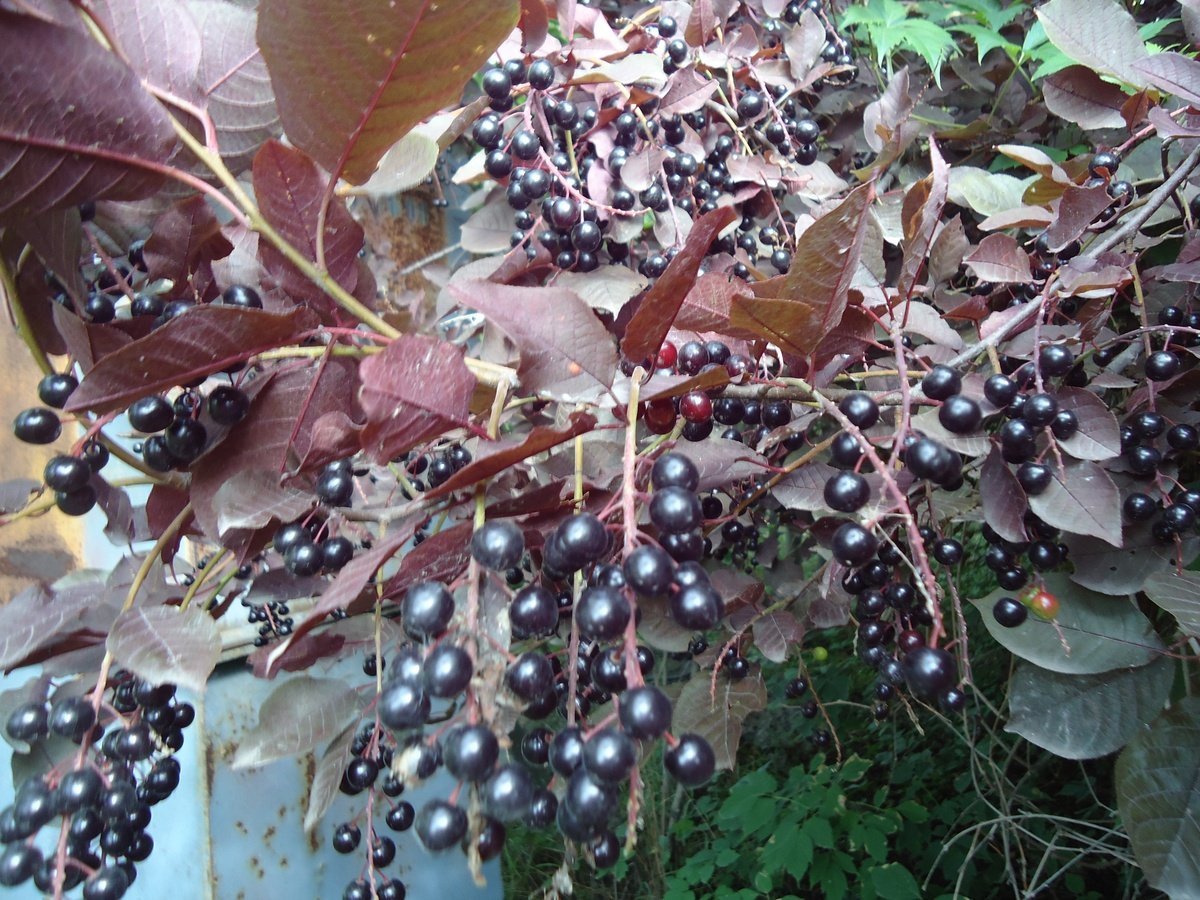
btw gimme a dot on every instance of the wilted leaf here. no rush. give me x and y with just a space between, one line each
350 85
1099 435
327 779
1078 95
947 251
163 644
564 348
1179 594
719 719
415 389
535 24
1100 34
203 340
495 458
1081 499
1100 633
660 305
1158 798
608 288
999 259
78 126
1086 716
300 713
235 81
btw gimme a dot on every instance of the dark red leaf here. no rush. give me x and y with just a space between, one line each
86 342
564 349
79 126
498 457
1002 498
1077 210
701 23
415 389
300 655
56 236
440 557
999 259
1079 95
143 29
1174 73
289 188
203 340
921 220
352 84
660 305
687 92
185 236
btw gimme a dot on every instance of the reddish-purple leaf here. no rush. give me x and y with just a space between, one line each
923 206
347 585
534 24
415 389
775 634
1079 95
721 462
687 91
204 340
300 714
185 236
805 487
1081 499
708 305
565 350
701 23
999 259
1077 210
327 779
660 305
253 498
495 458
719 719
165 644
1002 498
235 81
1099 435
143 30
817 286
33 618
289 188
56 236
441 557
352 84
1174 73
1100 34
78 125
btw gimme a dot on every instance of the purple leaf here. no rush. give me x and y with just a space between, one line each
327 779
56 235
721 462
1078 209
718 719
350 85
203 340
999 259
415 389
79 125
253 498
921 213
660 305
564 348
1078 95
775 634
1100 34
1081 499
1099 435
166 644
804 488
289 188
184 237
300 714
686 92
235 80
817 286
440 557
1174 73
143 29
34 618
1002 498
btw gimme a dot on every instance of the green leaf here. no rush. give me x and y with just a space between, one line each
819 832
1098 633
913 811
894 882
762 881
1086 716
1158 797
987 40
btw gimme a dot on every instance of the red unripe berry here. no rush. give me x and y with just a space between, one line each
667 354
659 416
696 406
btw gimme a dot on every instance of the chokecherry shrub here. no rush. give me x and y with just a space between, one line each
745 336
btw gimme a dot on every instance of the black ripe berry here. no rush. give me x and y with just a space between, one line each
151 414
846 492
960 415
941 383
929 671
227 405
37 426
853 545
498 545
1009 612
860 409
243 296
55 389
1162 365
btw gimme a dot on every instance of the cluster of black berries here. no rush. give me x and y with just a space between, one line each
542 140
105 792
304 555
